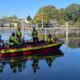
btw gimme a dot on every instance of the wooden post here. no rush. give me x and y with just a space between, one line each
37 26
42 18
77 33
66 24
45 35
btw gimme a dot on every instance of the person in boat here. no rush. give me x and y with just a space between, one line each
1 42
50 39
13 42
35 35
19 34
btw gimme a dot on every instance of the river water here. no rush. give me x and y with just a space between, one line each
63 65
6 34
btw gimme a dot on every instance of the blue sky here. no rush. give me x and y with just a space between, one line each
23 8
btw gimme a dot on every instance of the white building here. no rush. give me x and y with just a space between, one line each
25 24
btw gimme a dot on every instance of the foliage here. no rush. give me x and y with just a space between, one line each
29 18
13 18
48 13
71 13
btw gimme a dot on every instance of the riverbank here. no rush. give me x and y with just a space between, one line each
14 28
8 28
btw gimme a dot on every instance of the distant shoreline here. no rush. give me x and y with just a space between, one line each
7 28
14 28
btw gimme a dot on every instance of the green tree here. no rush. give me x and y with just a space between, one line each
29 18
48 13
71 11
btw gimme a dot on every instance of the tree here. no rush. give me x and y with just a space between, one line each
48 13
29 18
14 17
71 11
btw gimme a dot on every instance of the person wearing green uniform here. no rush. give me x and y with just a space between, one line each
1 42
35 35
50 39
13 42
19 34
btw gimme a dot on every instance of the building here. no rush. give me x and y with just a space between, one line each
25 24
9 22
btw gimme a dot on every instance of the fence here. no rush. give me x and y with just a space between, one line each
63 31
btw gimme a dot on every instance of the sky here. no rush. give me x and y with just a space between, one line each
23 8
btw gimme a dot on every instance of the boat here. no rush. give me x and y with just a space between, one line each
12 59
42 47
19 63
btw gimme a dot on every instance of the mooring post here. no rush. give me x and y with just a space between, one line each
45 35
66 24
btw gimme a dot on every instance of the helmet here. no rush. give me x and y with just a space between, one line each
19 28
13 34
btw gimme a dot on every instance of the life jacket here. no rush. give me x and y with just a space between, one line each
18 34
13 41
50 40
35 33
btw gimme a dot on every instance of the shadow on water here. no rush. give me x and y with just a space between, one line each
18 64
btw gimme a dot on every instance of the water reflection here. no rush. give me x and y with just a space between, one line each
6 34
49 61
73 42
18 64
2 65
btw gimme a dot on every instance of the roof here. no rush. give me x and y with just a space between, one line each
25 21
